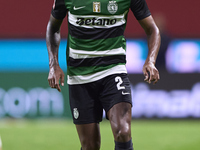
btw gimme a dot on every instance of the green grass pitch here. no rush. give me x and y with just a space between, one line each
61 135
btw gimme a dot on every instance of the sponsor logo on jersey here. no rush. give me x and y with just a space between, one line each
76 113
97 7
95 21
112 7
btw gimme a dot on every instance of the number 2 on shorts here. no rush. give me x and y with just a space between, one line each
119 80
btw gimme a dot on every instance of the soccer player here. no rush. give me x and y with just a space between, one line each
96 58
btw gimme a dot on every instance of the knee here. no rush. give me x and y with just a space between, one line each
90 145
123 134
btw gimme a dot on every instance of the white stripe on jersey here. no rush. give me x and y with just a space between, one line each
81 79
120 20
77 54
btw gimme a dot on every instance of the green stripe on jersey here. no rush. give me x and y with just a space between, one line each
97 45
88 70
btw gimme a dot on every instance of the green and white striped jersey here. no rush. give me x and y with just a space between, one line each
96 45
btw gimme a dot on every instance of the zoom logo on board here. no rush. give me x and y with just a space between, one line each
18 103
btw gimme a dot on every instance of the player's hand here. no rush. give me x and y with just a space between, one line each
55 75
151 74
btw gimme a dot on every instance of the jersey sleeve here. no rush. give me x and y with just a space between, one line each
140 9
59 9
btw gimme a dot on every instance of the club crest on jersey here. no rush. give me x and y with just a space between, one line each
112 7
97 7
76 113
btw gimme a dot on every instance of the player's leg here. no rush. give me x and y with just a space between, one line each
89 135
120 119
117 102
87 112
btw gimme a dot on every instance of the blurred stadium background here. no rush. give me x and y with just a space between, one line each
165 116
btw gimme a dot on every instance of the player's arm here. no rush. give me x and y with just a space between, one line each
53 37
53 42
153 37
143 15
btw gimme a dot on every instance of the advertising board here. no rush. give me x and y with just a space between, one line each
24 90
